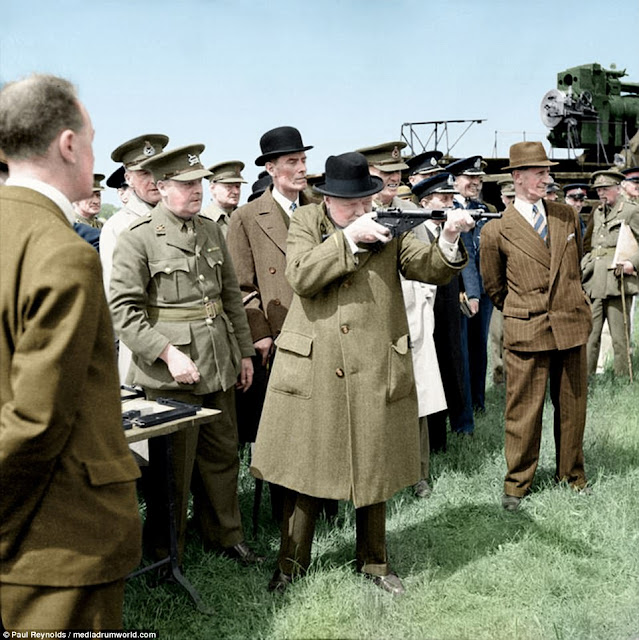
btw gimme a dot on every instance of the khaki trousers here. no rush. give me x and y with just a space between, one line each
298 528
528 375
610 309
205 460
41 608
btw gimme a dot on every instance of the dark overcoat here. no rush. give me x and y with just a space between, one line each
340 416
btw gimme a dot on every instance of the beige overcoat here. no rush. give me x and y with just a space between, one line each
340 416
68 509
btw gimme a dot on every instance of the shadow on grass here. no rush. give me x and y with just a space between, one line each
462 535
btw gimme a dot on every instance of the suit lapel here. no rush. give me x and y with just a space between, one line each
271 221
558 232
519 231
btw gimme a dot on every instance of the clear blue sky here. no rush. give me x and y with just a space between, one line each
347 73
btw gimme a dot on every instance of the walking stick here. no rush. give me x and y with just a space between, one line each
625 324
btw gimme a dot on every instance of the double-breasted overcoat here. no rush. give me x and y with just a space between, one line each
340 416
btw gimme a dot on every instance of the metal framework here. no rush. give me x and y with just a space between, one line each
419 141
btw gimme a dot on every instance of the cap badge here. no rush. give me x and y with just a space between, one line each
395 153
192 159
433 162
149 149
450 180
477 163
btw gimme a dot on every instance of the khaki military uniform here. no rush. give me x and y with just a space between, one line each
604 287
173 283
217 214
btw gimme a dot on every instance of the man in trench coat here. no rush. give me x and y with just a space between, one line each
340 416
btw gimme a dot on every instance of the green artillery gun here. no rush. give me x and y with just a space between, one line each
592 109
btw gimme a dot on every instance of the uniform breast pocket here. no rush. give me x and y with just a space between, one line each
293 371
400 370
214 259
171 278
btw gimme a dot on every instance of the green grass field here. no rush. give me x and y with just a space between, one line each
564 567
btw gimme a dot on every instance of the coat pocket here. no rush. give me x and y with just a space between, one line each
401 381
293 368
102 472
169 276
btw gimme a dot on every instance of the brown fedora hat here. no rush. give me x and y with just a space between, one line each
528 154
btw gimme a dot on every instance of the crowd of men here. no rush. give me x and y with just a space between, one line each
343 350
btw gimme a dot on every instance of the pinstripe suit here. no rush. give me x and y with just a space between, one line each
547 321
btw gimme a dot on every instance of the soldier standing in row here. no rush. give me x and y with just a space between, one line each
600 279
87 210
225 187
176 304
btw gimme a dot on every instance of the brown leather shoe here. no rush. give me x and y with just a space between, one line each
510 503
422 489
279 582
243 554
389 583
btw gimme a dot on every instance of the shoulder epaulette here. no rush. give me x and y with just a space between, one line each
140 221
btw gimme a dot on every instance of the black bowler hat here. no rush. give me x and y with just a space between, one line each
425 162
347 176
116 180
259 187
280 142
440 183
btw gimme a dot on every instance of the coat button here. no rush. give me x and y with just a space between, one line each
347 284
339 373
208 321
272 270
277 302
167 270
201 277
345 328
206 298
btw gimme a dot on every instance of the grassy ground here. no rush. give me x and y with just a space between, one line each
564 567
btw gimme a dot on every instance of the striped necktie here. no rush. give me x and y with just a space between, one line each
293 207
539 223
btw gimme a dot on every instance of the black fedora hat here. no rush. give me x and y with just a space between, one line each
347 176
279 142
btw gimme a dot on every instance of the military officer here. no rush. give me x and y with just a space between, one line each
340 416
142 198
176 304
385 161
87 210
600 281
630 184
225 185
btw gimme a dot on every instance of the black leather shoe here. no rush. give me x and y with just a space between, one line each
279 582
243 554
510 503
389 583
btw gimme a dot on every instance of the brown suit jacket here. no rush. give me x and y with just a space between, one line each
537 287
68 509
256 240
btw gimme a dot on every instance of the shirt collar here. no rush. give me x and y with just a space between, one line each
525 208
57 197
284 202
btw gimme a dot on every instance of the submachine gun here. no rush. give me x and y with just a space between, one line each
399 220
134 417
